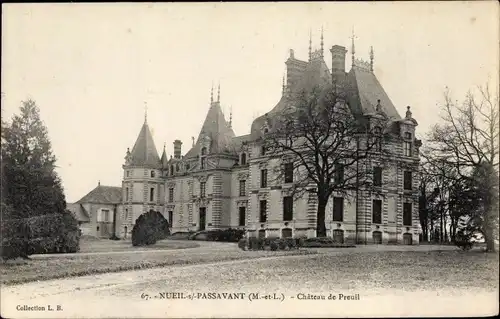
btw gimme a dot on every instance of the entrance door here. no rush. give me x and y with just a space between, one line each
407 239
377 237
338 236
203 217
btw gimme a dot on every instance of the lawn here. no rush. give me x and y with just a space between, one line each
122 257
106 245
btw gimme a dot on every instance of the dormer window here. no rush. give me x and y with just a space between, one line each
407 144
243 159
266 130
203 157
171 169
152 173
177 169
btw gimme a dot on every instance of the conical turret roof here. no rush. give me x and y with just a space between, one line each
217 129
144 152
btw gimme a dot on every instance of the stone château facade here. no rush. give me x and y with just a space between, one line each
225 180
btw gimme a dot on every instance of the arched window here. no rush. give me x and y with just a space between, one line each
171 169
177 167
152 173
203 151
263 150
243 160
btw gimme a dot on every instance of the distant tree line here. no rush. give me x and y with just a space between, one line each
34 218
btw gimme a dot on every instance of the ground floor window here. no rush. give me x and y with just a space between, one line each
242 216
286 233
377 237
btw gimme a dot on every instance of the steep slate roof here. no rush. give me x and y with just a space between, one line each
78 211
144 152
217 128
368 91
103 195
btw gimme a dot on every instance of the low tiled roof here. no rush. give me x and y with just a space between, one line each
103 195
78 211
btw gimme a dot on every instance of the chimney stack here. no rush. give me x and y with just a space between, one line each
177 149
338 60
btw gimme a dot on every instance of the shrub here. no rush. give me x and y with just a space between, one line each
243 244
254 243
291 242
282 243
274 245
14 235
464 239
148 228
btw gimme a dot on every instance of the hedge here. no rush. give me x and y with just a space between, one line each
51 233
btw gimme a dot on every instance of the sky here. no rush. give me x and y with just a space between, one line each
92 67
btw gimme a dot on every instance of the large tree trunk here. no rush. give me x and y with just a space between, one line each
320 218
489 230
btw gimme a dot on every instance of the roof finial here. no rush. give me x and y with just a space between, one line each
353 50
164 145
321 41
98 183
218 93
371 58
192 138
408 112
145 112
310 44
212 94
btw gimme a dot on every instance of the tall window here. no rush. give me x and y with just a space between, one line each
407 180
243 160
407 214
242 216
287 208
338 209
152 173
263 211
104 216
263 178
151 194
126 213
242 188
126 194
203 186
377 211
128 173
263 150
407 144
171 194
377 176
339 174
203 163
170 217
288 172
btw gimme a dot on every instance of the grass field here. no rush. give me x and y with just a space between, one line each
102 256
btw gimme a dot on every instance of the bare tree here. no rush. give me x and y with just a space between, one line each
467 138
327 145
